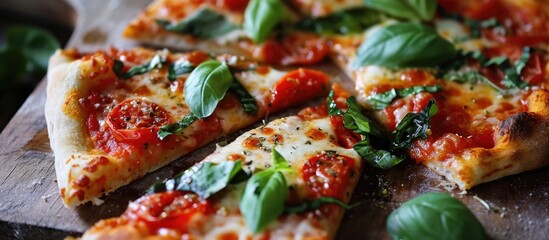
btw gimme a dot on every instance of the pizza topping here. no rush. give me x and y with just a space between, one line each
204 23
170 210
414 126
408 9
205 179
156 62
354 20
327 174
315 204
260 18
293 48
206 86
249 104
137 120
404 45
179 67
296 86
382 100
170 129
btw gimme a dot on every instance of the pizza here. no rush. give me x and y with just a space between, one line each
220 26
288 179
116 115
485 64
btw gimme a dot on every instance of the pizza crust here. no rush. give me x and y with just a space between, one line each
522 141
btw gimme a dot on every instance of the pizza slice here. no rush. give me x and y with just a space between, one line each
256 29
484 64
115 115
288 179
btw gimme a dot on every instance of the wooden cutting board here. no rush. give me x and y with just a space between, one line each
516 207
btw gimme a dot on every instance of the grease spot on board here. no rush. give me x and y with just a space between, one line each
95 36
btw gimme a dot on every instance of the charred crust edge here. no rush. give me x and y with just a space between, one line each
518 126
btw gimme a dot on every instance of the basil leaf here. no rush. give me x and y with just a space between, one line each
178 68
204 179
206 86
260 18
36 45
408 9
203 24
279 161
315 204
434 216
156 62
249 104
354 20
173 128
382 100
404 45
355 121
263 199
473 77
414 126
378 158
477 26
332 106
524 58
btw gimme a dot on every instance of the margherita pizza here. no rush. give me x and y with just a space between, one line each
114 116
288 179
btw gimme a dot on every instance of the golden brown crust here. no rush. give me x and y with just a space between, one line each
521 145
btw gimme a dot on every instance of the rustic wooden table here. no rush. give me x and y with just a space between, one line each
516 207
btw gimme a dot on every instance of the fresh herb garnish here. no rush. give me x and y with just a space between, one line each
354 20
178 68
355 121
176 127
414 126
260 18
434 216
264 195
156 62
204 179
407 9
382 100
206 86
472 77
315 204
203 24
26 50
378 158
248 102
404 45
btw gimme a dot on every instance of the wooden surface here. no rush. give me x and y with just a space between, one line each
515 207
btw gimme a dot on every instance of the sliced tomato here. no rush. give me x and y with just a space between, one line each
293 49
297 87
327 174
137 120
167 210
233 5
345 137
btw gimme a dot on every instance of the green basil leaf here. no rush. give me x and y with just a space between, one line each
36 44
381 100
260 18
473 77
414 126
434 216
204 179
156 62
279 162
378 158
178 68
177 127
354 20
355 121
405 45
315 204
206 86
263 199
524 58
203 24
332 106
408 9
249 104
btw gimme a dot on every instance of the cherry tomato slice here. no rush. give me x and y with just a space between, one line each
297 87
294 49
327 174
137 120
